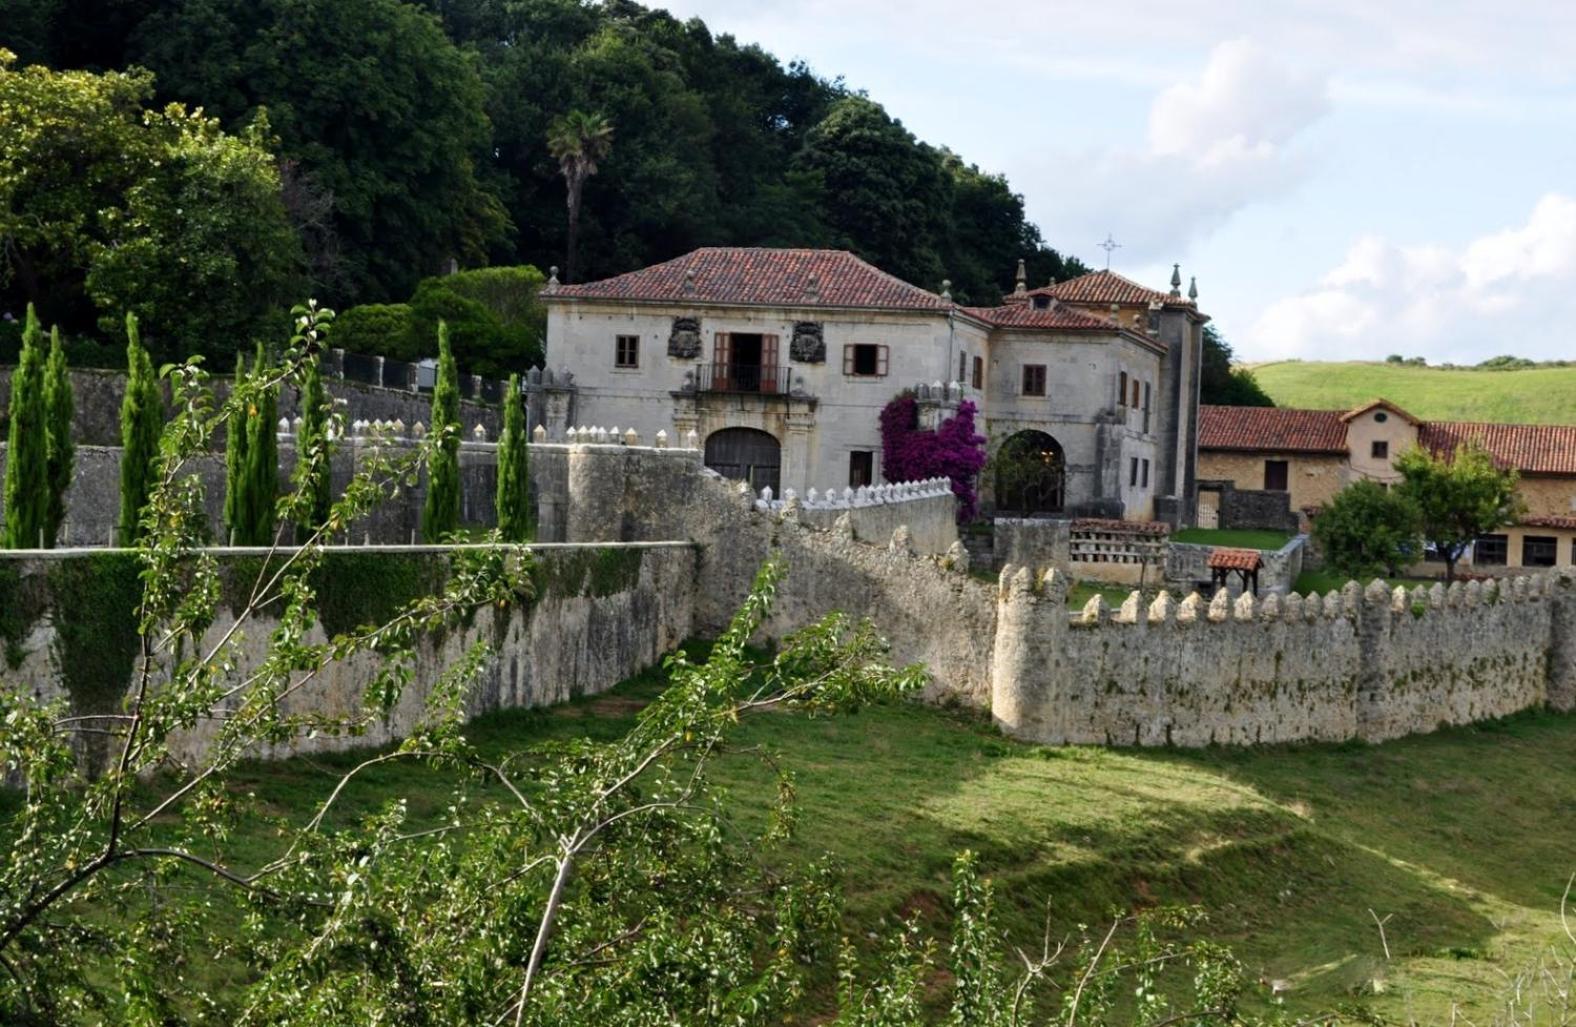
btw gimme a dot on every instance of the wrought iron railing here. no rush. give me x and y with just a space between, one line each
768 380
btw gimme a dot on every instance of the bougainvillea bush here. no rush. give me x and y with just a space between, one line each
953 450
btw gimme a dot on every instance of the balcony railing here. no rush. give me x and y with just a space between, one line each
771 381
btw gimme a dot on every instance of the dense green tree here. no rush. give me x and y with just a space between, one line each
259 505
579 141
107 208
141 421
440 512
514 472
1368 529
59 410
1225 385
236 523
313 474
27 446
382 112
1458 497
496 322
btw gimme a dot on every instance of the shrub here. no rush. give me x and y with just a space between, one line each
1367 530
378 329
496 322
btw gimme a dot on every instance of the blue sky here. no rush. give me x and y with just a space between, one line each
1346 179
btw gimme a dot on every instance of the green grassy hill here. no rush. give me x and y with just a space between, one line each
1543 395
1462 836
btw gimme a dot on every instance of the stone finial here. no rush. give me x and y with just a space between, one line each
1192 288
284 426
1518 587
946 289
1176 280
662 438
902 541
689 282
812 288
479 433
631 437
956 558
398 426
539 434
1094 611
1191 609
1456 594
1472 594
790 508
1132 608
1418 597
296 423
766 493
843 527
1270 608
1291 608
691 440
1220 606
1021 279
1162 609
1436 596
1335 605
1053 586
1491 591
1400 601
552 277
1245 608
810 498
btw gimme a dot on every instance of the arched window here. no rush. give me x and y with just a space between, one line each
1031 473
746 454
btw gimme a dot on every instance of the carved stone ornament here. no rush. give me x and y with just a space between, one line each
808 345
684 340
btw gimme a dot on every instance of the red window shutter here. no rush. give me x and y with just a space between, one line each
768 363
719 352
881 361
848 359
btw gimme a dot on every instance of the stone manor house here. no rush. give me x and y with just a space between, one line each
781 360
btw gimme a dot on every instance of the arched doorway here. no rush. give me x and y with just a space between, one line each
1031 474
746 454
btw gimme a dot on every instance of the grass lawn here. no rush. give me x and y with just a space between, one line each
1462 836
1537 396
1245 538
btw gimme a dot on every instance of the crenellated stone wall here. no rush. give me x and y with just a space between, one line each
1369 665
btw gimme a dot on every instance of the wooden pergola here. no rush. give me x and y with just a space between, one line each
1244 562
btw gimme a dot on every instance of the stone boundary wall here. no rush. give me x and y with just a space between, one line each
606 612
927 508
1370 665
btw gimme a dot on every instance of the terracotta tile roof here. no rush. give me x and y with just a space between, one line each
1379 404
1567 523
749 275
1106 287
1236 559
1271 429
1529 448
1022 316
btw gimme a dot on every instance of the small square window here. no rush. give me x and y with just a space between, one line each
1539 551
1042 303
865 360
1034 379
626 351
1276 475
1490 551
861 467
1380 450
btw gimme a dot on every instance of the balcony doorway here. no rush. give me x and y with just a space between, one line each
744 362
746 454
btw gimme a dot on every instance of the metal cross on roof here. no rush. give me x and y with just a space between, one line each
1109 245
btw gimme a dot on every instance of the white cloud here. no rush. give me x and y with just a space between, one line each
1504 292
1217 142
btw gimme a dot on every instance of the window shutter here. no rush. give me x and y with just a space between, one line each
719 352
881 361
848 359
1121 389
768 363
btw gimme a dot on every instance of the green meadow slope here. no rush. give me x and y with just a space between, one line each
1461 837
1542 395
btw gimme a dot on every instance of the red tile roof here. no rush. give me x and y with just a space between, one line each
1567 523
1529 448
1236 559
746 275
1271 429
1057 317
1106 287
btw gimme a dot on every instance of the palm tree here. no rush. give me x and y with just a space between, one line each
578 140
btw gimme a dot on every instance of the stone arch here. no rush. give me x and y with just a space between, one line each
1031 474
746 454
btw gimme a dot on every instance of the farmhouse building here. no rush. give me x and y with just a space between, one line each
782 360
1310 455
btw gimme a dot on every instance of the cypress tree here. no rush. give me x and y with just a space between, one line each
514 478
440 514
314 433
59 407
26 465
141 421
262 462
235 520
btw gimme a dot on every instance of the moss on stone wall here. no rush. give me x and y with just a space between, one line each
98 640
22 601
371 588
598 572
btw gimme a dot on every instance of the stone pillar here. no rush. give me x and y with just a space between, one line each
686 418
1562 644
1031 621
596 495
1372 609
796 454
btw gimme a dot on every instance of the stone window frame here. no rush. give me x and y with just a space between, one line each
1284 467
1379 449
626 359
1032 380
882 354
